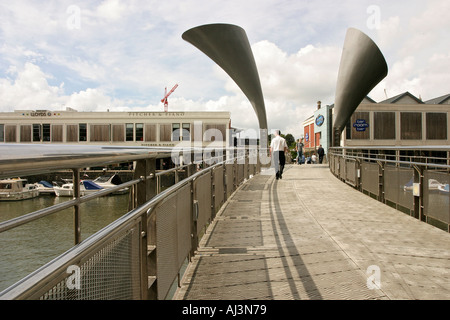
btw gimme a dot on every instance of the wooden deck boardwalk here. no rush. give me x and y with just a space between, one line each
311 236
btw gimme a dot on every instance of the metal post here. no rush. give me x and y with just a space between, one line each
147 188
76 207
213 194
150 269
194 219
418 199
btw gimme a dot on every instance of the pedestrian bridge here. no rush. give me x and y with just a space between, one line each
232 231
311 236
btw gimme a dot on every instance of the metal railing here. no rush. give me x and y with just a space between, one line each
414 180
140 255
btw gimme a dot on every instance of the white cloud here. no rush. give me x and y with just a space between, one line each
111 9
415 44
29 90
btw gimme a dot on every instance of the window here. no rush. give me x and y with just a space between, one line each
358 126
410 125
384 125
36 132
318 136
46 132
165 132
150 132
129 132
176 132
436 126
139 132
71 133
2 132
118 132
186 133
82 127
100 132
10 133
215 132
57 133
25 133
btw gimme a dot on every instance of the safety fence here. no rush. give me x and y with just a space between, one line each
414 180
142 254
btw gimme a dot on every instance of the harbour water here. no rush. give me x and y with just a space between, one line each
28 247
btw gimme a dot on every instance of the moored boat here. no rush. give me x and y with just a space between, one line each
109 181
17 189
45 187
86 187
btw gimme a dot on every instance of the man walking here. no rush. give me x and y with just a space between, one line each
299 149
278 147
321 153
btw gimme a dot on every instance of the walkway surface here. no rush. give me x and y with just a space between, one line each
311 236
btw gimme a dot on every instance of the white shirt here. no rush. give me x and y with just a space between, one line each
278 144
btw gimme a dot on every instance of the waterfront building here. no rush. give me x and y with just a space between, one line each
134 128
309 142
403 120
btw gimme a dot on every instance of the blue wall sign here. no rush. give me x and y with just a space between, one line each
320 120
360 125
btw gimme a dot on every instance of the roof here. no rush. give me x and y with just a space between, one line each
402 96
368 99
445 99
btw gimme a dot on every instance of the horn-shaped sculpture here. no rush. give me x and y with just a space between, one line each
228 46
362 67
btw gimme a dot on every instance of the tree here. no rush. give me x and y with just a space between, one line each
290 141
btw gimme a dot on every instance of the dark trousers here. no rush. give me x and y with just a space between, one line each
279 160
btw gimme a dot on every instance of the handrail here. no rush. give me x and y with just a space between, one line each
16 222
29 159
437 165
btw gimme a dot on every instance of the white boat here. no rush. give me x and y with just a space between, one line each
432 185
17 189
86 187
109 181
45 187
444 188
435 185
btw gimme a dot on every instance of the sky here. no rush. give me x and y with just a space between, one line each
120 55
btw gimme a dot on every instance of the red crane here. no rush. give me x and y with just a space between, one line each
166 95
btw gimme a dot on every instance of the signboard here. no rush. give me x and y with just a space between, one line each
360 125
320 120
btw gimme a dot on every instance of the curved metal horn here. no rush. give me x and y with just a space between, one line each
228 46
362 67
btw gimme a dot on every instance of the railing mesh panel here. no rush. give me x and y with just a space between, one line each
437 195
229 178
370 177
112 273
202 188
218 188
173 237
